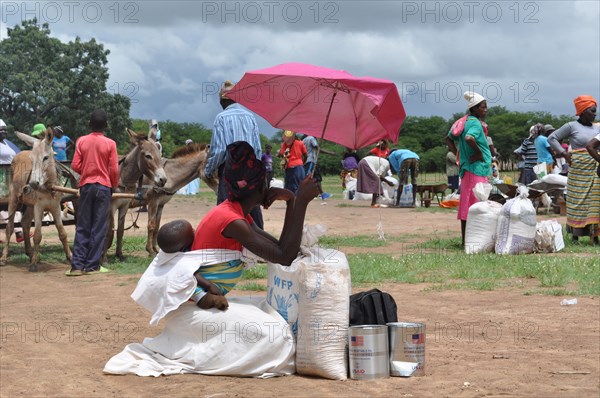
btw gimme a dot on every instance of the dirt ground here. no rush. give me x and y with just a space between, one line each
56 333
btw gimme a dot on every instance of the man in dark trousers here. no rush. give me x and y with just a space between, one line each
96 161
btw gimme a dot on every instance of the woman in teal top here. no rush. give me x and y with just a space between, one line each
474 154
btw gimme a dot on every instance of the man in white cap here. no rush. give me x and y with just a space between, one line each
474 154
7 153
234 123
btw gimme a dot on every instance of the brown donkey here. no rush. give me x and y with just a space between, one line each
142 161
186 164
33 175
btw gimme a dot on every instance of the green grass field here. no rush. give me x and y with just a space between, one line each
440 263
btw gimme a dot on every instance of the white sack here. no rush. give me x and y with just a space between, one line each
282 282
516 225
548 237
480 232
555 179
323 318
406 196
482 191
275 183
540 170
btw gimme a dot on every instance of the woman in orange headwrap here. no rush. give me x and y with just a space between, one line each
583 185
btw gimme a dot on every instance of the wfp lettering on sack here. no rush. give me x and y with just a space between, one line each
282 292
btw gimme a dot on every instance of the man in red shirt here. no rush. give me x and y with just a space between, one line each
96 161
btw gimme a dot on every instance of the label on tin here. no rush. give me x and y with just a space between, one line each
407 349
368 356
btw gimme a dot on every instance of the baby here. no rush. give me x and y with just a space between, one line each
178 236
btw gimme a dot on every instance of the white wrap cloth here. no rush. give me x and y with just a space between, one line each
249 339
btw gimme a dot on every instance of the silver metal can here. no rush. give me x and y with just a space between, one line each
407 348
368 352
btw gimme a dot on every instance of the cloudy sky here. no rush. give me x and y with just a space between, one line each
170 57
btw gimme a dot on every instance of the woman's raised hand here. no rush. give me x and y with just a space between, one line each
276 194
308 190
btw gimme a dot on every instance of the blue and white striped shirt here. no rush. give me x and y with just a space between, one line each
235 123
311 145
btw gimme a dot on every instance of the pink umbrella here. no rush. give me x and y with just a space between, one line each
322 102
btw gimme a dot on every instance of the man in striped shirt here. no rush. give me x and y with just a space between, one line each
234 123
529 154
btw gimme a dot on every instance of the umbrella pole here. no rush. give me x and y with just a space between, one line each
324 128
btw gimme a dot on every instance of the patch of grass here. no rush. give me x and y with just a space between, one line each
335 241
438 243
258 272
470 285
251 286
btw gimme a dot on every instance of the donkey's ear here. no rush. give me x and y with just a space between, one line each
49 136
133 137
26 138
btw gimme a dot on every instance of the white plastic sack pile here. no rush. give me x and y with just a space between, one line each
555 179
480 232
315 298
516 225
389 191
548 237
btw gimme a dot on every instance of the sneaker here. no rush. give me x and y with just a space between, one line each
74 272
20 237
100 270
326 195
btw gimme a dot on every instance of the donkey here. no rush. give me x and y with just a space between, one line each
33 175
185 165
142 161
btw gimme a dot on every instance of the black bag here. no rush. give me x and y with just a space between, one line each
372 307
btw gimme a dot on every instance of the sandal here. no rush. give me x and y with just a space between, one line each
74 272
375 206
100 270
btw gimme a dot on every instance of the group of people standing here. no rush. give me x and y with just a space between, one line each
468 142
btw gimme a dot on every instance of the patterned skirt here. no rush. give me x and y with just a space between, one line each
583 193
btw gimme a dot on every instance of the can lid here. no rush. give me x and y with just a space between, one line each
368 327
405 325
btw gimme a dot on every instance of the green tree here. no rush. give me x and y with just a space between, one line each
47 81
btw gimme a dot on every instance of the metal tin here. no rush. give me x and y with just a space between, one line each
368 352
407 348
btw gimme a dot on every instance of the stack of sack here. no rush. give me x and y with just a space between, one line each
313 295
480 233
516 227
510 228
